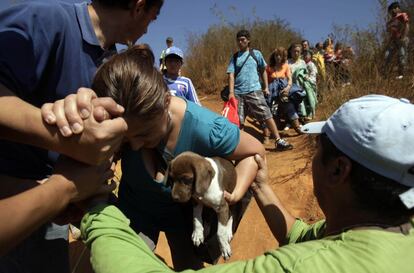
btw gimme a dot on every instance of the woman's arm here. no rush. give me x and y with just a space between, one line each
246 167
289 75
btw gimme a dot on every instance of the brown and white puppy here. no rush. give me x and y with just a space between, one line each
205 180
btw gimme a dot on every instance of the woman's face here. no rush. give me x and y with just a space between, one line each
296 51
278 58
147 133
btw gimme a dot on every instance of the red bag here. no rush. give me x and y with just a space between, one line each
230 111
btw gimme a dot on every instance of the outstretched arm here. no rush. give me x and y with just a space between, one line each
279 220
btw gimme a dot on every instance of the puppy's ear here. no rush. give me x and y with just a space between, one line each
204 173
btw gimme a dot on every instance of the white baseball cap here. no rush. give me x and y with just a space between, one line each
174 51
377 132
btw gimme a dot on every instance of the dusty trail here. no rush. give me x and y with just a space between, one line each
290 177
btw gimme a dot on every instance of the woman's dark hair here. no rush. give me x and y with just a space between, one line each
281 51
374 192
131 79
126 4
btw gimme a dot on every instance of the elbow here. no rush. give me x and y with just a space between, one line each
261 151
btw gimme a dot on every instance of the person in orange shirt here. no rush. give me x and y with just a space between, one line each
279 70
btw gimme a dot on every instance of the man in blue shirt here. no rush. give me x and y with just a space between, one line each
244 84
48 51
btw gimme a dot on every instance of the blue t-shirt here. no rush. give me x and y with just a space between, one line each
182 87
148 202
247 80
47 51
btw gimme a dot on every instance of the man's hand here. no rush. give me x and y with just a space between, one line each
84 181
68 114
98 142
97 137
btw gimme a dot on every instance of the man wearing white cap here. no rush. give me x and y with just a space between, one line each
363 173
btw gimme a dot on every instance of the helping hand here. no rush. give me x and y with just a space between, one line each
84 180
68 114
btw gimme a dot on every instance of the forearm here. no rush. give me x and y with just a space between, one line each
279 220
265 80
231 83
27 211
27 125
246 171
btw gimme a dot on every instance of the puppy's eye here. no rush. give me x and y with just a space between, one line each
186 180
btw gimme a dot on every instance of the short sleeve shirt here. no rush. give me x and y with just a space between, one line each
47 51
182 87
148 202
281 73
247 79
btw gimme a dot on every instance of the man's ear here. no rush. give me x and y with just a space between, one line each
136 5
339 170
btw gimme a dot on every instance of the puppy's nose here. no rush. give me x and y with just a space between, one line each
175 196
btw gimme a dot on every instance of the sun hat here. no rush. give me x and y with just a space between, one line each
377 132
174 51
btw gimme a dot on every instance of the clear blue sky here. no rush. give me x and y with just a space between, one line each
314 19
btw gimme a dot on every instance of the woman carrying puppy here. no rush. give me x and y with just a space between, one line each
159 128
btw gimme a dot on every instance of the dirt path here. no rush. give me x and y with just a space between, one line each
290 177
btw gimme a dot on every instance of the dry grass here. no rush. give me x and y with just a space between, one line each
210 53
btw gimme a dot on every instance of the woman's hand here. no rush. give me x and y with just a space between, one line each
231 198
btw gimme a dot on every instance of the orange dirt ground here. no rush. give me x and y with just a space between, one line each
290 177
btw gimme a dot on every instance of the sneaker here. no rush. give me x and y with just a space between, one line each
400 77
283 145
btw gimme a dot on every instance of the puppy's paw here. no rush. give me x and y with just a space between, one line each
224 235
198 237
225 250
